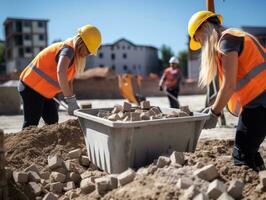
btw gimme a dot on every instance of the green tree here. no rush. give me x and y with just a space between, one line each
166 54
183 61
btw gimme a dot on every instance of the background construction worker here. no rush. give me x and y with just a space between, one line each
240 62
51 72
170 82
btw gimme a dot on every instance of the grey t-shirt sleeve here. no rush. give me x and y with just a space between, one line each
66 51
231 43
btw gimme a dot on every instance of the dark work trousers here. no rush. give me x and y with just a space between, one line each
250 133
36 106
175 93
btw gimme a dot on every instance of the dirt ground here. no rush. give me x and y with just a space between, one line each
34 145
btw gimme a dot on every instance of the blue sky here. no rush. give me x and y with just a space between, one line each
150 22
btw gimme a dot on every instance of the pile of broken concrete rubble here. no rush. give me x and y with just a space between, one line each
77 178
145 111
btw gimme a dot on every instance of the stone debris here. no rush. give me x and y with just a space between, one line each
57 177
33 176
145 105
215 189
163 161
177 158
135 116
184 183
54 162
126 177
35 188
235 189
225 196
262 176
56 187
87 186
32 168
126 107
75 154
85 161
20 177
207 173
117 109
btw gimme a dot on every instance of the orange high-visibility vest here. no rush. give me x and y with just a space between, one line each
170 77
41 74
251 74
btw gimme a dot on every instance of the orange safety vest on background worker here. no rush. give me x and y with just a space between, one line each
170 76
41 73
251 74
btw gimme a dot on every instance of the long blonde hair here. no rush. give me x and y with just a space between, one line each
210 49
80 62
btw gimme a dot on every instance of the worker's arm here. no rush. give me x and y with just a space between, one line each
229 70
162 80
62 68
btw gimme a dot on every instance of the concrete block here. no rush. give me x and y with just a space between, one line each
235 189
75 154
69 186
127 118
215 189
45 175
85 175
126 106
156 110
103 113
61 170
262 176
126 177
121 115
135 116
32 168
20 177
117 108
50 196
54 162
163 161
103 185
75 177
201 196
151 113
144 116
225 196
184 183
56 187
207 173
85 161
87 186
35 188
177 158
34 177
190 193
182 114
145 105
113 181
114 117
57 177
70 166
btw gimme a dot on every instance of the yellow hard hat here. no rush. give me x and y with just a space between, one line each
194 23
91 36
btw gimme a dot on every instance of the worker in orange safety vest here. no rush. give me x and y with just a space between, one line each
170 81
240 61
51 72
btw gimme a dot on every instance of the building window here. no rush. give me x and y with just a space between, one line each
27 24
20 52
40 24
125 67
113 56
101 65
41 37
128 47
28 50
124 55
27 37
117 46
113 67
101 55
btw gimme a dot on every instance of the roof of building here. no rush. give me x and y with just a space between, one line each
9 19
129 42
255 30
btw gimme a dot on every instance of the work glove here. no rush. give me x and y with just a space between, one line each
72 104
212 121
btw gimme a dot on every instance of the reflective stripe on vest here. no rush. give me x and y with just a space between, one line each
44 76
255 71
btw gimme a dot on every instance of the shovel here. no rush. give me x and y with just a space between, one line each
60 103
